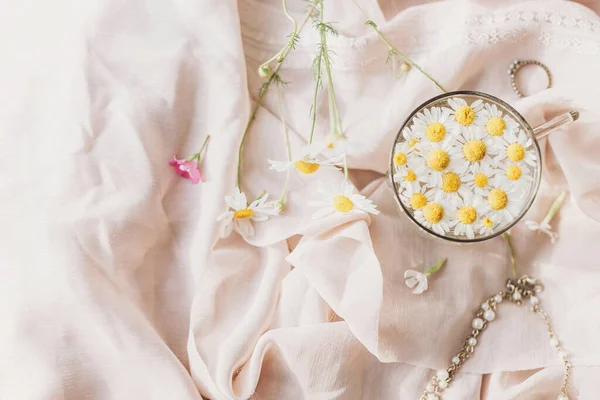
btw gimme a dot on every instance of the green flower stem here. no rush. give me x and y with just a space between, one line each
392 50
558 202
281 54
261 94
287 143
198 155
513 258
436 267
313 109
345 167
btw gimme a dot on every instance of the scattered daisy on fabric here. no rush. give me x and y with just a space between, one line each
307 163
241 214
418 281
341 198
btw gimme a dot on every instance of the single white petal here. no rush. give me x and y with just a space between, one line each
226 228
245 227
280 166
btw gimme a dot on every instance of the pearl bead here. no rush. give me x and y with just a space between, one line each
562 397
455 360
563 355
472 341
477 323
443 375
485 306
443 384
489 315
534 300
433 396
554 342
430 388
498 298
516 296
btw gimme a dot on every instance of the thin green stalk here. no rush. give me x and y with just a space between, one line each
198 155
345 167
513 258
555 207
436 267
392 50
287 143
314 105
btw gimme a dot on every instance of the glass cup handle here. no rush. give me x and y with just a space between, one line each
554 124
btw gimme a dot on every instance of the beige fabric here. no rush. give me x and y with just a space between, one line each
114 286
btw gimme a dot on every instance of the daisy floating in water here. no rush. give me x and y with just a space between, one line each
505 203
307 163
241 214
517 175
343 199
463 115
497 124
417 197
432 123
412 177
517 147
440 158
436 216
469 213
478 178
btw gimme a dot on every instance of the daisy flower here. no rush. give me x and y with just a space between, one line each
432 123
417 280
477 146
435 216
498 124
240 215
517 147
307 163
453 187
416 197
412 177
439 158
479 178
464 115
402 155
341 199
411 137
505 203
487 226
516 175
469 212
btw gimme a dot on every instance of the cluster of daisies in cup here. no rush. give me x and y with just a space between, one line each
464 170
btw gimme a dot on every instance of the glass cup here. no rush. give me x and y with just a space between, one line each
466 166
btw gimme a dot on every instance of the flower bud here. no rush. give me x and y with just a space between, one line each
265 71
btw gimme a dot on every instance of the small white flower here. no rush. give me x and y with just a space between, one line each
487 226
240 215
308 162
432 123
468 215
543 227
412 177
496 123
403 156
411 137
338 145
341 198
479 178
436 216
416 280
463 115
415 197
452 189
516 175
440 158
517 148
505 203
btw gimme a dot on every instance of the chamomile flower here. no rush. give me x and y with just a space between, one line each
439 158
432 123
411 137
497 124
416 197
487 226
479 178
477 146
340 144
517 175
517 147
402 155
505 203
341 198
241 214
463 115
307 162
435 216
453 187
469 212
412 177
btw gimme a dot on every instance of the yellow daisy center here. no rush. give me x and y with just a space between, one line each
464 115
438 160
413 142
467 215
480 180
399 159
410 176
306 167
435 132
243 213
497 199
513 172
330 145
418 201
515 152
450 182
495 126
474 150
487 222
342 204
433 213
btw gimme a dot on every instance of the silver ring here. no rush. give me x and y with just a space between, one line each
514 68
